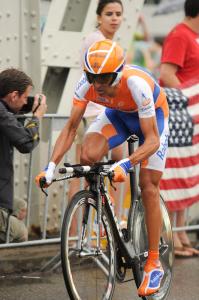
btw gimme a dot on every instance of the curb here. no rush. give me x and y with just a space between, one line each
26 259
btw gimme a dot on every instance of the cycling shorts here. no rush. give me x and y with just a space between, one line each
116 126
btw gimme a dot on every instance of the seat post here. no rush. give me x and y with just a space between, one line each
133 177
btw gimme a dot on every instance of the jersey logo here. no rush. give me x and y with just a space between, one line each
80 83
145 100
163 148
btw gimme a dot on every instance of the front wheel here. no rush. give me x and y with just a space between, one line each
89 272
140 243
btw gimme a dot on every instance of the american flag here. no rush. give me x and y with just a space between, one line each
180 182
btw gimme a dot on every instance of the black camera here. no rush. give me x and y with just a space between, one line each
27 108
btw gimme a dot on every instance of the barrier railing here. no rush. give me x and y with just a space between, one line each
56 124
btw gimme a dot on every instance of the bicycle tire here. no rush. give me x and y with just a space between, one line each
140 242
89 277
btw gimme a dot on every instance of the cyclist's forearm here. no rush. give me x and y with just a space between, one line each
63 144
145 151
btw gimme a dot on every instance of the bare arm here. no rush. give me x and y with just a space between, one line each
151 143
168 75
67 134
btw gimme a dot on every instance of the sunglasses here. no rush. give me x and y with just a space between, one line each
106 78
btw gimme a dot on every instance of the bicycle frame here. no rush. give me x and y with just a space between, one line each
125 244
98 187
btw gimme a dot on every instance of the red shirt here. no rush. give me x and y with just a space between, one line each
181 47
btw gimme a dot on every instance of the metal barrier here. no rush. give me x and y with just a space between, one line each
56 124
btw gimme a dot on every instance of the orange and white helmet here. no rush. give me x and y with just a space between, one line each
104 57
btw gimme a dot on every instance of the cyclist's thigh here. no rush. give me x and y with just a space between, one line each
109 124
84 124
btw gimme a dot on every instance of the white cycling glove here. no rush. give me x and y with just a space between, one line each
49 172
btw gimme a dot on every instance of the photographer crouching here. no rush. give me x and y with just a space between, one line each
15 87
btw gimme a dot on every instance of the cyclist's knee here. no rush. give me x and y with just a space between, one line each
149 190
89 156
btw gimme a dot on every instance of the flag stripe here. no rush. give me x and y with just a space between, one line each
195 139
181 172
181 194
193 100
196 117
182 162
181 204
184 152
179 183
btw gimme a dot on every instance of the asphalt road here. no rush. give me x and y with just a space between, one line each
50 286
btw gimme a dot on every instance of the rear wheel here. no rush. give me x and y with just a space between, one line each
89 273
140 242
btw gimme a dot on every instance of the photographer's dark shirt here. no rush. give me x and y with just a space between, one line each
13 134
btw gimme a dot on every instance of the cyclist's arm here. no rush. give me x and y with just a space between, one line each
68 133
151 142
143 96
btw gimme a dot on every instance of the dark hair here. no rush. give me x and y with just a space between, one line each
13 80
191 8
103 3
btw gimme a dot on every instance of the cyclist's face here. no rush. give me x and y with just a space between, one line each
110 19
104 89
101 82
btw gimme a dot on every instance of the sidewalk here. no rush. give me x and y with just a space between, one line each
26 259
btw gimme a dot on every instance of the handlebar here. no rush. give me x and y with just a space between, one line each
81 170
71 170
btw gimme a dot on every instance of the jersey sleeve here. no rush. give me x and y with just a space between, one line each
81 89
143 96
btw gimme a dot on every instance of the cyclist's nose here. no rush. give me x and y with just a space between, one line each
97 85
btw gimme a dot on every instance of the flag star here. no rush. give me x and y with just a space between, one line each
176 140
180 132
173 133
183 140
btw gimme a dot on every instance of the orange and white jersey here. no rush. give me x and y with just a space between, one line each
137 92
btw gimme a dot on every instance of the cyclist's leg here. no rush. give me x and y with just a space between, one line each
153 272
105 133
150 175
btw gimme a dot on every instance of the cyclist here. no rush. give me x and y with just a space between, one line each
135 104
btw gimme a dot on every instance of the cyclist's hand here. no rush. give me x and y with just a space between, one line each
48 174
120 169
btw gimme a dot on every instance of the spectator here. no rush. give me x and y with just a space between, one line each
145 51
180 64
15 87
109 18
18 230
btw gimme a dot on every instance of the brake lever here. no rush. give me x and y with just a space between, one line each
46 194
42 182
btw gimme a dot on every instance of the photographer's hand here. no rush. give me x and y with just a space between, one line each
39 105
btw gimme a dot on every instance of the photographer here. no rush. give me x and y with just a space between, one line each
15 87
